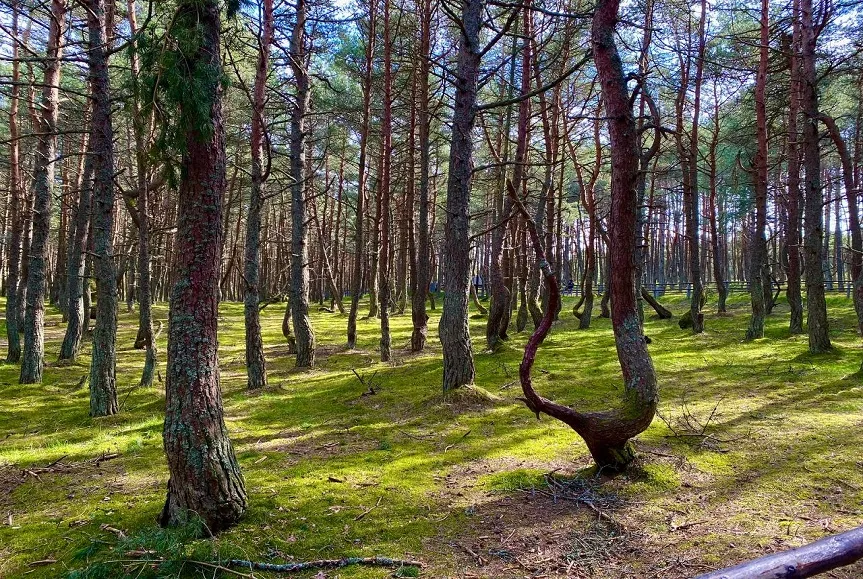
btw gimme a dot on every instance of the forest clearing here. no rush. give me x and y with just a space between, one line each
462 484
400 288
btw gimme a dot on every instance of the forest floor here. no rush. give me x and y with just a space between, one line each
757 450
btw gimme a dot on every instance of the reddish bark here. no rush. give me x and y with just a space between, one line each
205 478
607 433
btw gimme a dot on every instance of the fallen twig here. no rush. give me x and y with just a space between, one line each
367 511
321 564
463 436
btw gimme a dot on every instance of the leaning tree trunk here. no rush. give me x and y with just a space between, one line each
256 367
819 337
305 335
607 433
851 195
205 477
32 360
454 330
103 364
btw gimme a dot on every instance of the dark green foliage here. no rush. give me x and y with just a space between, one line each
176 83
162 553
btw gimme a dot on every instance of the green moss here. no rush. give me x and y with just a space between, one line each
519 479
316 452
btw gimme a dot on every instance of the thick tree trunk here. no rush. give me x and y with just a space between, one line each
103 365
816 320
205 478
256 367
607 434
454 330
33 358
303 331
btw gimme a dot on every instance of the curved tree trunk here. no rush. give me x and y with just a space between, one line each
607 433
205 477
851 194
33 358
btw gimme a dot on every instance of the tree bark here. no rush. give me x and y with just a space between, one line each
384 192
422 271
103 364
816 319
145 337
205 477
359 240
454 330
758 253
33 358
256 367
13 352
806 561
305 335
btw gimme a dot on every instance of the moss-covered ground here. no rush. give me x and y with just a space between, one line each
758 449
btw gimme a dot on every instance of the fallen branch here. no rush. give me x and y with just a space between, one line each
320 564
463 436
367 511
806 561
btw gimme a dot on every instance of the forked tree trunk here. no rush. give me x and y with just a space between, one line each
205 477
303 331
256 367
607 434
103 364
33 358
454 331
